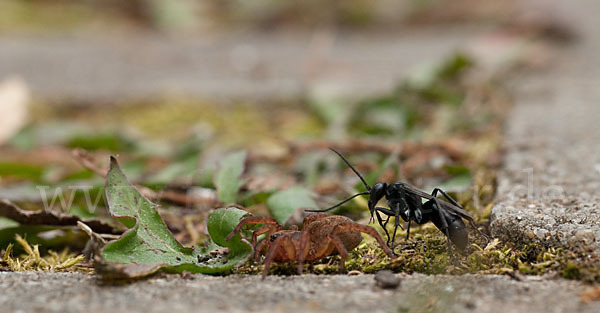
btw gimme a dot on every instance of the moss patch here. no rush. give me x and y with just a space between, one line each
33 261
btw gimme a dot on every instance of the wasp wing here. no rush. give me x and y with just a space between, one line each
447 205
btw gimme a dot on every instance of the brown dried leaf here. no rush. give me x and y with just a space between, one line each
13 212
110 271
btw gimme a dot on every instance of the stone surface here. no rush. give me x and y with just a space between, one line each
549 188
112 67
69 292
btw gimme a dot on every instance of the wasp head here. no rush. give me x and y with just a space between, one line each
377 192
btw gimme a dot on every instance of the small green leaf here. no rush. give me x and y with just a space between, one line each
106 141
81 212
461 180
221 223
283 203
7 223
149 242
457 170
178 170
373 177
227 177
310 165
22 170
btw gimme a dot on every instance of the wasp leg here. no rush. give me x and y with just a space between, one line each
384 224
438 207
469 218
396 225
450 199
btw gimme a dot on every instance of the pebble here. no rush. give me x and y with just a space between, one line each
540 233
387 280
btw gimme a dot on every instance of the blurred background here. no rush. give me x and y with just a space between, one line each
409 90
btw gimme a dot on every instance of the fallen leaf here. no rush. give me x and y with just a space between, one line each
227 177
283 204
47 218
460 181
148 246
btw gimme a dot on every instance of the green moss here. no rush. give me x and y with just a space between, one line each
426 253
571 271
33 261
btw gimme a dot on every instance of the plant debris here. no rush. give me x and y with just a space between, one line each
148 246
33 261
40 217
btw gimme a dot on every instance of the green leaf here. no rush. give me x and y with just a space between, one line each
178 170
453 66
220 224
22 170
310 165
373 177
227 177
7 223
81 212
105 141
149 242
461 180
283 203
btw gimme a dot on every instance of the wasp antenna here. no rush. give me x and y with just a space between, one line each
337 205
353 169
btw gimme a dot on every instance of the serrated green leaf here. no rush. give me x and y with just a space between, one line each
227 178
283 203
149 242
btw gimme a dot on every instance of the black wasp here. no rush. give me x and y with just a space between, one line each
405 201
